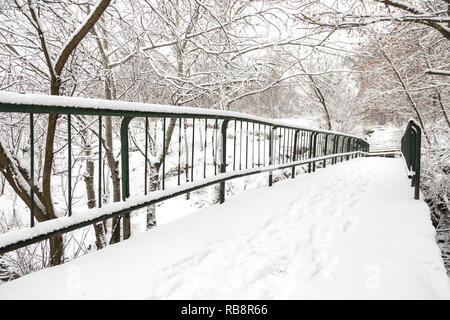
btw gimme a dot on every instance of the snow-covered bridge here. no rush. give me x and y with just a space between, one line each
352 230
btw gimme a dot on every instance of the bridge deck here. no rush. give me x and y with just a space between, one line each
352 230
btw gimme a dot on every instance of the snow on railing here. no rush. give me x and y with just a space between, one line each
109 107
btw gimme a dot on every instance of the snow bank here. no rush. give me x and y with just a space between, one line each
352 230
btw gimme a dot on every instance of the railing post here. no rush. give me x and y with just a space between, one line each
352 147
343 147
314 151
417 161
69 164
223 164
413 154
325 150
349 141
335 148
125 180
310 150
294 156
271 135
32 170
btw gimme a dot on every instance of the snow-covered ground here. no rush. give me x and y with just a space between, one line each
352 230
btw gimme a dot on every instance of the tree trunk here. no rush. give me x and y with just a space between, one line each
57 242
154 173
100 241
110 94
441 105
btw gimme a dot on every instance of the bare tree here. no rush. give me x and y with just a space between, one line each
16 175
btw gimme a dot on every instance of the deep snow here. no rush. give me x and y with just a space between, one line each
352 230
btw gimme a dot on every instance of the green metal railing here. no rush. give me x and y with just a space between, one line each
234 145
411 150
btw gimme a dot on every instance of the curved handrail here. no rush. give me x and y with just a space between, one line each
411 150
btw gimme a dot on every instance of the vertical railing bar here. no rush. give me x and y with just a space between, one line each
333 140
335 143
31 170
100 125
146 156
418 146
234 147
223 161
274 144
289 148
294 152
69 158
349 141
291 152
319 140
294 143
315 147
216 149
310 151
284 146
259 144
193 149
322 141
164 155
253 146
413 155
343 147
301 145
204 156
179 151
240 147
264 151
279 147
246 148
304 150
335 148
271 152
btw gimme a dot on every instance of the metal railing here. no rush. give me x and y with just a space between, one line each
411 150
233 145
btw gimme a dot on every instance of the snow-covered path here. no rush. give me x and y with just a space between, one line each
385 138
352 230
